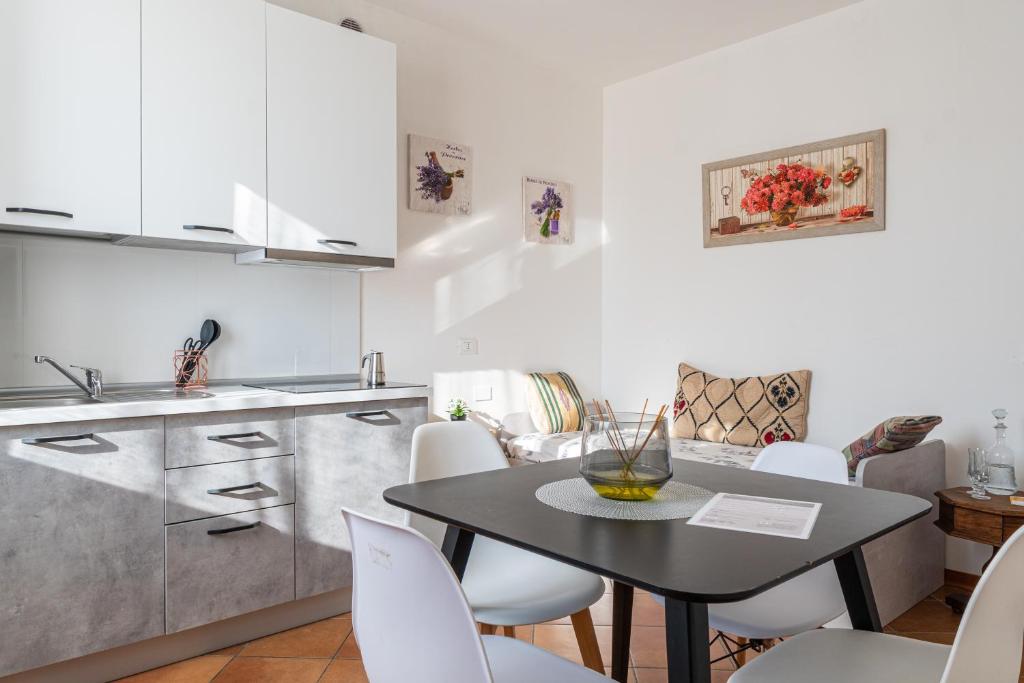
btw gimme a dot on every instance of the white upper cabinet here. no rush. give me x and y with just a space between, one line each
69 115
204 122
331 138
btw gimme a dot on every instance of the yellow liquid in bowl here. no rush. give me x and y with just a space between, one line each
641 483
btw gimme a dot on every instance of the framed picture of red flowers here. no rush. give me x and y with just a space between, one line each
830 187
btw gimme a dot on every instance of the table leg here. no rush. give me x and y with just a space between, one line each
622 623
686 640
456 546
860 599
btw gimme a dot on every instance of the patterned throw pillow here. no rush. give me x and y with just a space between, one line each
742 411
555 402
895 434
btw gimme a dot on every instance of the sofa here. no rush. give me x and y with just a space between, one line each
905 566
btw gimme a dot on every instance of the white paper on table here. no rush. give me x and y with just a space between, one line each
758 515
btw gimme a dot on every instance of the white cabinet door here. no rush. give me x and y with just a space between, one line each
69 115
204 126
331 137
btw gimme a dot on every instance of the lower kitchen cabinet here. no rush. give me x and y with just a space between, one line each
81 539
346 455
225 566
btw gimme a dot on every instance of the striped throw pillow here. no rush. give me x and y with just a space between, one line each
895 434
555 402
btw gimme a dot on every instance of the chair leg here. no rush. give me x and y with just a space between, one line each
741 656
583 625
509 631
488 629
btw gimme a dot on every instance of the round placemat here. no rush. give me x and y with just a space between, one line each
675 500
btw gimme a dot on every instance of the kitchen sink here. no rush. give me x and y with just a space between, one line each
23 401
125 395
44 400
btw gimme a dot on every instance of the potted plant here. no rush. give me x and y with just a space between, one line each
782 191
457 409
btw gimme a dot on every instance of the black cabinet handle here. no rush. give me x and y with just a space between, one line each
368 413
229 437
345 243
41 212
230 489
232 529
208 228
55 439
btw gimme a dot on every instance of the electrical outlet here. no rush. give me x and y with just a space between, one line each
468 346
482 393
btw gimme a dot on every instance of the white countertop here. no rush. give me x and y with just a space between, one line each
224 397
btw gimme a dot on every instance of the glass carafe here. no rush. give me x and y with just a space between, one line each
1002 478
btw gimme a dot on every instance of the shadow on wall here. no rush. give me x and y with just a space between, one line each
492 278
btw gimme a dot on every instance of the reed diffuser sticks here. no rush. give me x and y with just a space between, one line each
628 455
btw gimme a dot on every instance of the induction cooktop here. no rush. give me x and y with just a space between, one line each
312 385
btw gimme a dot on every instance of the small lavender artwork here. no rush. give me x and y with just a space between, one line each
546 210
435 182
439 176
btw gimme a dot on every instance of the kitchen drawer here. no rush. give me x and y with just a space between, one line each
229 487
206 438
225 566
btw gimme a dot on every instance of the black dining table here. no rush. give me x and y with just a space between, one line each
690 566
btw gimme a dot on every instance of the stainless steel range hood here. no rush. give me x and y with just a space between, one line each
313 259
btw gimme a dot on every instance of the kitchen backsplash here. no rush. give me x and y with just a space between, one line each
124 310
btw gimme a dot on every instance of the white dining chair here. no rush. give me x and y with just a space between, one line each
808 601
987 645
412 621
505 586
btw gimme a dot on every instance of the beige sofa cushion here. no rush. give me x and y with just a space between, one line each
555 403
743 411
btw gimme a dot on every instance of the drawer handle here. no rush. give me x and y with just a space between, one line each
55 439
41 212
208 228
231 489
232 529
368 413
343 243
230 437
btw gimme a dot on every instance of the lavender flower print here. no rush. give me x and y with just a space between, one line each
434 182
547 205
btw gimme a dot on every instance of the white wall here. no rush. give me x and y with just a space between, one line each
531 307
125 310
925 317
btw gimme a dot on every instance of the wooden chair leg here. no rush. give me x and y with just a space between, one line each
509 631
741 657
583 625
488 629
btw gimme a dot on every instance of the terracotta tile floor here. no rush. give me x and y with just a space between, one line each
325 652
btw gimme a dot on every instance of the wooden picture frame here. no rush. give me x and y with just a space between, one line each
835 203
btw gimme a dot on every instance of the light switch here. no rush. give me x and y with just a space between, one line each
482 393
468 346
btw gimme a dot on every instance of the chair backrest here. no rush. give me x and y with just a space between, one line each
410 616
820 587
988 643
449 449
804 460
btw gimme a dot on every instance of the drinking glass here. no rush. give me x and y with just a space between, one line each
977 470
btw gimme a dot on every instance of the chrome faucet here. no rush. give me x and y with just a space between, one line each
93 385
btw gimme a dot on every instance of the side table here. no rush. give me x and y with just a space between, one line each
984 521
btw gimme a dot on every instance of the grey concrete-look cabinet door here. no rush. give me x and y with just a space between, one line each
81 539
345 457
222 567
